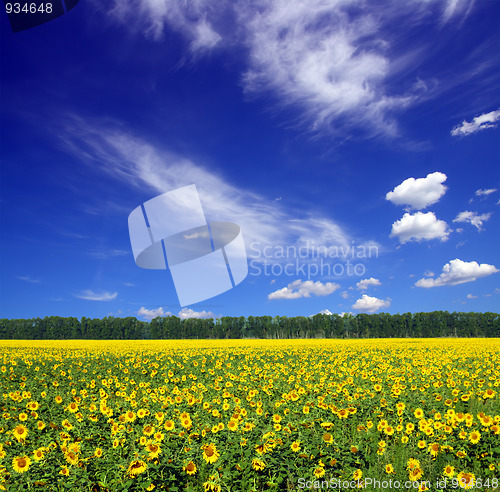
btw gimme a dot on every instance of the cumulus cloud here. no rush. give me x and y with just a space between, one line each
419 193
368 282
479 123
90 295
473 218
344 294
326 311
307 288
150 314
418 227
369 304
185 313
458 272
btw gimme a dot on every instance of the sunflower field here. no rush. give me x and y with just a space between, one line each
249 415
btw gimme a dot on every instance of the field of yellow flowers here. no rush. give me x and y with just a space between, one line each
248 415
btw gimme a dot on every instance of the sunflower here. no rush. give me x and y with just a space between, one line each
319 471
389 469
449 471
20 432
190 468
23 417
64 471
474 437
148 430
169 425
153 450
72 458
415 473
210 453
357 474
258 464
295 446
21 463
98 452
136 467
466 480
328 438
433 449
40 425
38 454
72 407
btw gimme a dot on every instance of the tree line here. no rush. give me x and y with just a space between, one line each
381 325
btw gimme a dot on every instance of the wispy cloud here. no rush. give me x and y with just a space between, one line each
458 272
31 280
300 288
479 123
90 295
332 59
263 221
105 254
485 192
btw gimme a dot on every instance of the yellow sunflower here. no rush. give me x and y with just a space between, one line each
136 467
210 453
20 432
190 468
21 463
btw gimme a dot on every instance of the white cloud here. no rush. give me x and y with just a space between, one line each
105 254
418 227
344 294
335 60
185 313
90 295
193 19
368 282
300 288
419 193
470 296
141 165
370 304
429 273
150 314
458 272
485 192
481 122
326 311
473 218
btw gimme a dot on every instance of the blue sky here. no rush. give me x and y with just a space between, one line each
355 143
